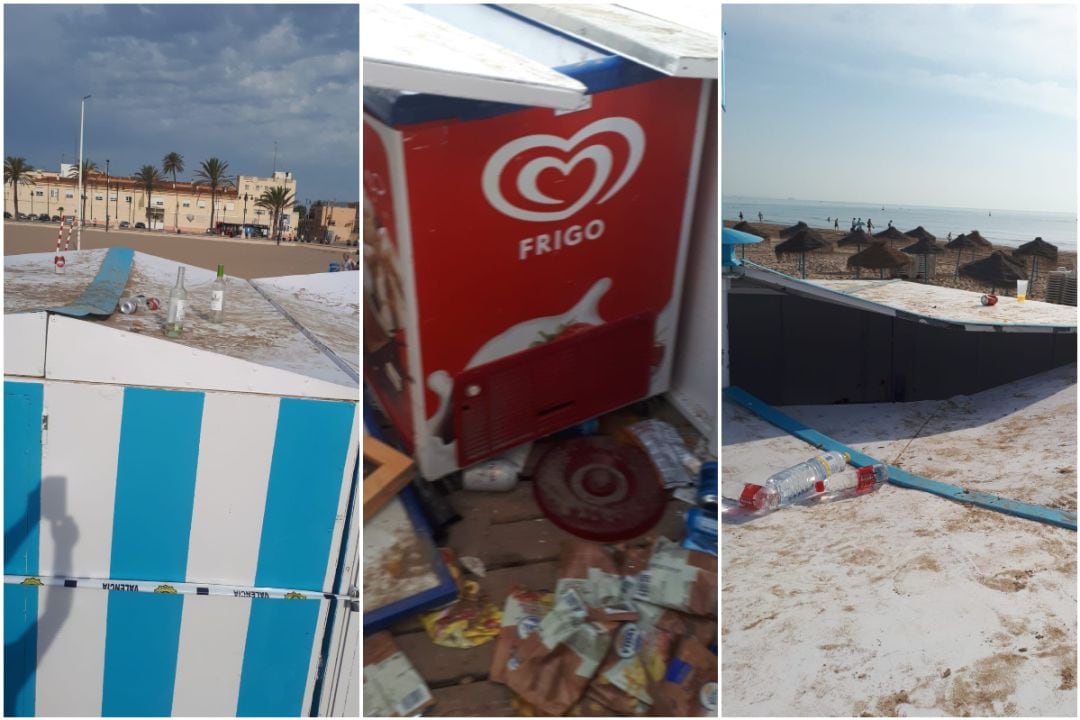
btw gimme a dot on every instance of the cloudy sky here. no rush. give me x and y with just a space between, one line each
943 105
201 80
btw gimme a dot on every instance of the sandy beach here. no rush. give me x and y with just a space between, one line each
832 265
242 258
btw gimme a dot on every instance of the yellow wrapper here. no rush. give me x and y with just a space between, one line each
470 622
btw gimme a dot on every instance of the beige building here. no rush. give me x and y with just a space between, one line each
180 207
334 223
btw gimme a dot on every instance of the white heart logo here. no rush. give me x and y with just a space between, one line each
600 156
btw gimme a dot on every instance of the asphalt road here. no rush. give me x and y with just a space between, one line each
242 258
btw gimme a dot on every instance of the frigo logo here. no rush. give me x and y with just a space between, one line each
589 143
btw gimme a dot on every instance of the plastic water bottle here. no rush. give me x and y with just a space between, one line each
750 495
855 482
801 481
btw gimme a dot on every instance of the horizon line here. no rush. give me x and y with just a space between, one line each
898 205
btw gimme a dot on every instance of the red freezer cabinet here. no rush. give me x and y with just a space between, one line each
523 266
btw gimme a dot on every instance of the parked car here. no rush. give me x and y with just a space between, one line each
211 231
43 217
56 218
7 215
124 224
140 226
24 216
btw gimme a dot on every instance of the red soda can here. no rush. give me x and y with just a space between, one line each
989 299
152 303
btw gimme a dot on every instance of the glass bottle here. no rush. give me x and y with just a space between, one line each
174 324
217 296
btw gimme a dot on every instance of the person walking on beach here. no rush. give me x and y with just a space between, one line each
852 224
869 225
949 238
837 225
759 217
740 216
890 223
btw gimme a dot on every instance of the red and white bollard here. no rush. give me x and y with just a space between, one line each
58 261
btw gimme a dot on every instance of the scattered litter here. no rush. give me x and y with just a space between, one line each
472 620
392 687
498 474
473 564
522 614
667 451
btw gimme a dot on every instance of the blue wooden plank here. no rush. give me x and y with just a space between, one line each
142 642
20 649
22 476
155 484
104 292
897 476
277 655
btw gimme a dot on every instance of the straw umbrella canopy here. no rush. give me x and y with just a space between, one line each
858 238
1037 248
996 270
746 227
960 243
919 233
925 246
802 242
879 256
890 233
789 231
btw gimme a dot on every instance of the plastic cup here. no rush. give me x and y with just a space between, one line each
1021 290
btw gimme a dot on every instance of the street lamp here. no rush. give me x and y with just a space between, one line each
82 117
106 194
244 228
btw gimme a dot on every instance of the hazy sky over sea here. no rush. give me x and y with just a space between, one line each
942 105
200 80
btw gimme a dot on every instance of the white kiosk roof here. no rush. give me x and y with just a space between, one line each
258 348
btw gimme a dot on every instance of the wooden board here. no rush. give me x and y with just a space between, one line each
392 471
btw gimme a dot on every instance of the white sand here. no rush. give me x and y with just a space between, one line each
902 602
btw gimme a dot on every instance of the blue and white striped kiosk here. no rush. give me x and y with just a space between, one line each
177 513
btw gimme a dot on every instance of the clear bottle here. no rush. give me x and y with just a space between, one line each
174 323
217 296
801 481
750 495
855 481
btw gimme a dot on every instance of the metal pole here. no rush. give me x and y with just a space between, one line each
106 194
82 117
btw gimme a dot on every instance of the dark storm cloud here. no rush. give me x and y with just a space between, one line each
209 80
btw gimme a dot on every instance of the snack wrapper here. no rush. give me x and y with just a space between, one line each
471 621
680 579
521 616
689 685
392 687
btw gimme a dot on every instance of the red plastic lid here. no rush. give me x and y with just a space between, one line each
599 489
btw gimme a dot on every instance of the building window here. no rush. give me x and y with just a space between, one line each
113 196
187 203
159 203
54 193
69 195
202 203
229 206
39 193
99 196
127 198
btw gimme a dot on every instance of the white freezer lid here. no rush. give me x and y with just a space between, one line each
408 50
648 36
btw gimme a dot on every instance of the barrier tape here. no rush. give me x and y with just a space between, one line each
178 588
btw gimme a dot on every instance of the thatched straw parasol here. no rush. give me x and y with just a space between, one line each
919 233
960 243
802 242
925 246
858 238
880 257
996 270
789 231
746 227
1037 248
889 233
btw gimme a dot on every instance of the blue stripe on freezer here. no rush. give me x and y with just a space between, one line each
310 447
277 657
155 484
142 639
22 476
20 649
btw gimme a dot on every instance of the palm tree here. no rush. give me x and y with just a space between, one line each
17 172
174 163
212 174
276 200
89 166
147 178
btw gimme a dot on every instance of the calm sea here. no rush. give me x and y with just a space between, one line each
1004 227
